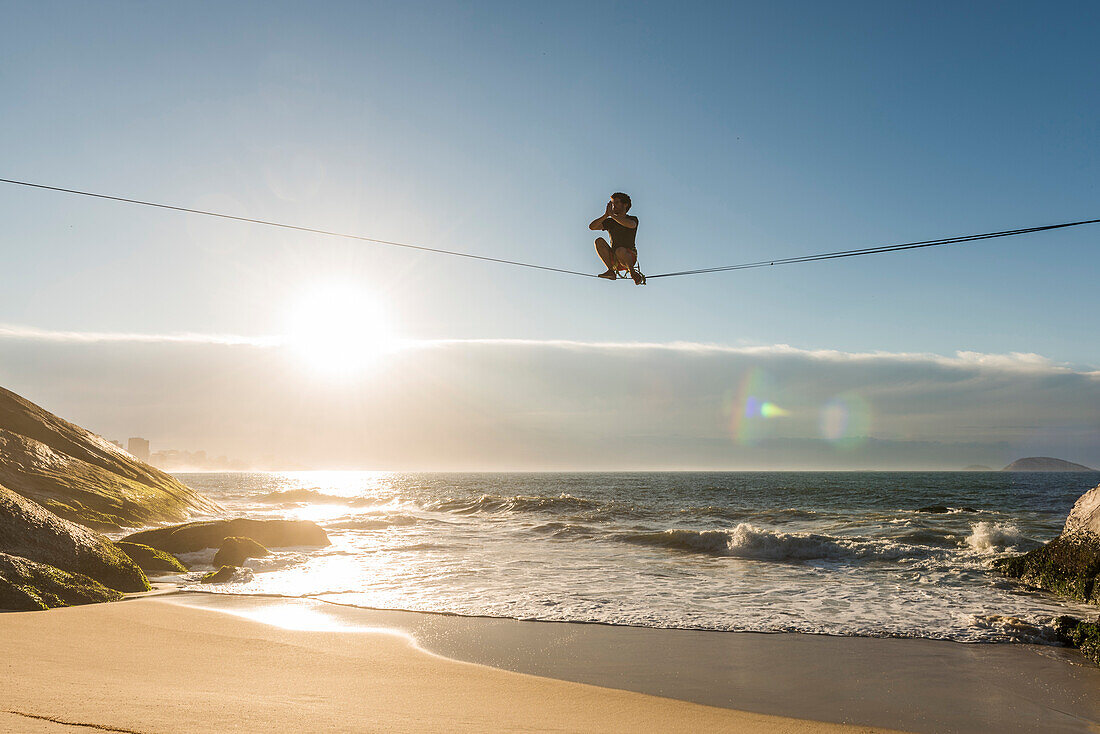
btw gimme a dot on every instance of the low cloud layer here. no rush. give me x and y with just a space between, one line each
502 404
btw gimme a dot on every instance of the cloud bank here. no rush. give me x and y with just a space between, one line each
509 404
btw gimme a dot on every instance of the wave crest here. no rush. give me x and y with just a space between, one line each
753 543
990 537
491 503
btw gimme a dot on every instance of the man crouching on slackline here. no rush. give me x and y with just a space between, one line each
621 254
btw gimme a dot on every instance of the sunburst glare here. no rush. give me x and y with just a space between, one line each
339 330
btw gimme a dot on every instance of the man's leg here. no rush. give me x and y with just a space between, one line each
628 259
604 251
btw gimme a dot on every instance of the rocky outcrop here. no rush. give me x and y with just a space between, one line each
151 560
227 574
29 586
235 551
1044 463
82 477
36 534
1085 636
1070 564
195 536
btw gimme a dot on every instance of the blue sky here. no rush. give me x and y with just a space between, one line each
742 131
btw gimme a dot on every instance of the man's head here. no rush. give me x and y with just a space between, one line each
620 203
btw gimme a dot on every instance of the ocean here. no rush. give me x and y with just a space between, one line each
836 553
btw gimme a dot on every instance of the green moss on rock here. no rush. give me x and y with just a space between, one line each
195 536
151 559
226 574
1067 565
1083 635
28 586
31 531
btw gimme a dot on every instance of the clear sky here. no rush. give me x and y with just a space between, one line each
743 131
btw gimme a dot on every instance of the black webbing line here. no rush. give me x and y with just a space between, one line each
877 250
324 232
722 268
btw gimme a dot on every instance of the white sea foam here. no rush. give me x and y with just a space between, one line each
751 542
991 537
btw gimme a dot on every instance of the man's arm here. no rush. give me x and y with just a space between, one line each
624 220
597 223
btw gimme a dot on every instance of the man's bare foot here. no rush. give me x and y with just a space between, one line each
639 279
610 275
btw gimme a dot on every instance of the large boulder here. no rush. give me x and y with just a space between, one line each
151 560
33 532
1070 564
195 536
82 477
235 551
29 586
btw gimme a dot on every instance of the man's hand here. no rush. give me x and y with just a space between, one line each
607 210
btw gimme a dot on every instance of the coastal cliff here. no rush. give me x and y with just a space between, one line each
82 477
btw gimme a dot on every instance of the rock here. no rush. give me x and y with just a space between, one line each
227 574
29 586
83 477
235 551
151 559
36 534
1044 463
1067 565
1085 515
1080 634
194 536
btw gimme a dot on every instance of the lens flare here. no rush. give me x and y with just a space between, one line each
845 420
751 409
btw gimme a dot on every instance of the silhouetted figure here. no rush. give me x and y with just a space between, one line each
621 254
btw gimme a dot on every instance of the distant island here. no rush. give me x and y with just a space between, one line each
1044 463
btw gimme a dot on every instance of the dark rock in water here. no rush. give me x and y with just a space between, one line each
35 533
227 574
81 476
235 551
151 559
944 508
1085 636
194 536
1069 564
1044 463
29 586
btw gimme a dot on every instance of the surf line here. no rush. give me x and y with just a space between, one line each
959 239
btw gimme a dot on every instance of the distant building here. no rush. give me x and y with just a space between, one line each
139 447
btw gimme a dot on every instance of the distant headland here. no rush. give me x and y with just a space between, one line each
1044 463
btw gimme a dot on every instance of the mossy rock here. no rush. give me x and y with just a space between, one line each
195 536
235 551
226 574
151 559
1085 636
1067 565
30 531
29 586
82 477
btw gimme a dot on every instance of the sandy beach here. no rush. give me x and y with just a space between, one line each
167 664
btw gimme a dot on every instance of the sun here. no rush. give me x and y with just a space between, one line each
339 329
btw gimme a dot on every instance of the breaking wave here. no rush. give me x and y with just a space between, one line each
750 542
990 537
489 503
291 496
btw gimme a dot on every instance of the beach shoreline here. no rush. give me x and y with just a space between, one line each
193 661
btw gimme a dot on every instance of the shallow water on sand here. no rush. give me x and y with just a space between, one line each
844 553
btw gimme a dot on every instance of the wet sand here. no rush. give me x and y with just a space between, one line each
150 665
200 662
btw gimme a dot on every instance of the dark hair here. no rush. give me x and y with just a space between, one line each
623 197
